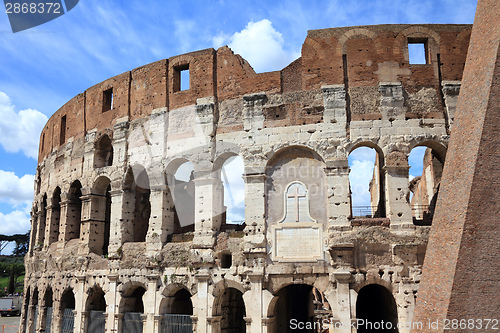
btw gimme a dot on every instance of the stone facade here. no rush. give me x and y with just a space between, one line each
116 235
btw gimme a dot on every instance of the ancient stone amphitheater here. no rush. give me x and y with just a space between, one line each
120 243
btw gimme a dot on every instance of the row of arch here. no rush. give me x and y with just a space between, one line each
137 183
290 306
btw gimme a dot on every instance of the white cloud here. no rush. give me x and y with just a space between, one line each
261 44
361 163
14 190
20 131
16 222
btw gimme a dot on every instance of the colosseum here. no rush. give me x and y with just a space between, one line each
130 226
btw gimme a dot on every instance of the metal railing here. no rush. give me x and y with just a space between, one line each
364 211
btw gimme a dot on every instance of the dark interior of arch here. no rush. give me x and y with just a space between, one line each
376 304
96 300
142 210
295 302
232 310
107 222
103 155
180 303
134 303
74 211
48 298
68 300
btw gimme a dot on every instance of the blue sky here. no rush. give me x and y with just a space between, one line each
44 67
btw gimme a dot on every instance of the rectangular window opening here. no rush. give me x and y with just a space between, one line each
107 100
181 78
62 136
417 51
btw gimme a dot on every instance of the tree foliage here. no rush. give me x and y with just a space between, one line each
22 243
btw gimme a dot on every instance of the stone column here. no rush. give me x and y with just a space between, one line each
255 231
268 325
117 323
122 215
392 102
334 101
120 141
40 230
34 228
200 304
213 324
253 114
343 305
85 321
113 307
451 89
52 225
253 301
150 308
161 221
56 316
93 223
339 201
397 191
79 303
208 210
157 323
194 319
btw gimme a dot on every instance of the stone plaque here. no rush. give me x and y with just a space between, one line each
297 242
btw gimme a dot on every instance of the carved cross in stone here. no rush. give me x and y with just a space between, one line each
297 197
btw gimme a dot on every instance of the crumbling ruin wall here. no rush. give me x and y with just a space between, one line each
123 140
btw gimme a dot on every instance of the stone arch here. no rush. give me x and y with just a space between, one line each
42 221
103 152
132 297
226 186
230 307
74 211
48 303
137 182
181 193
176 300
296 163
96 300
376 304
353 33
294 301
377 184
55 216
424 187
316 46
433 42
101 192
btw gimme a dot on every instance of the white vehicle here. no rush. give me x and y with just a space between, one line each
10 306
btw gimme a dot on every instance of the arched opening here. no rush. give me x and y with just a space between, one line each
103 153
183 187
137 181
233 210
177 311
67 308
42 222
376 305
48 301
102 200
74 211
294 309
34 318
55 216
96 305
230 307
426 169
292 165
26 308
366 181
132 307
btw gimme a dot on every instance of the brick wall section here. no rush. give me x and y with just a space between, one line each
373 54
461 274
